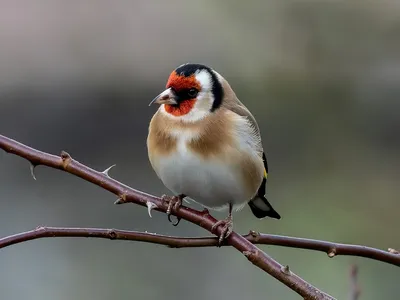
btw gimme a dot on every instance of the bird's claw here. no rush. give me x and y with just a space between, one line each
227 228
173 203
178 219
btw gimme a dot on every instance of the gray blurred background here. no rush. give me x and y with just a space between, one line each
322 79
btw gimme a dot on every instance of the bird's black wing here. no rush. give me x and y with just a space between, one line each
259 205
261 189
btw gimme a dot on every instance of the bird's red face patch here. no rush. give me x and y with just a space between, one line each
183 108
180 83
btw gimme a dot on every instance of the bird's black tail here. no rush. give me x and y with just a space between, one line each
262 208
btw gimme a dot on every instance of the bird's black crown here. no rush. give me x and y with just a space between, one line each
190 69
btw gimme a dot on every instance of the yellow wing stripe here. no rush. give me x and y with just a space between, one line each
265 173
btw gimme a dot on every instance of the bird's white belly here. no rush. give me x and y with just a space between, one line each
212 182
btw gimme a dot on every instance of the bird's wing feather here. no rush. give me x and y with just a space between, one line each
259 204
238 107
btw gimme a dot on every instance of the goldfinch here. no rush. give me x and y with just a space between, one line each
205 145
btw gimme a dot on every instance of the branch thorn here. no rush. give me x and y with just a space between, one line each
251 255
66 158
286 270
121 199
254 233
247 253
32 168
205 211
332 253
65 155
150 206
393 251
105 172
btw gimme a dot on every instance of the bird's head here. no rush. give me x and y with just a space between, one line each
192 92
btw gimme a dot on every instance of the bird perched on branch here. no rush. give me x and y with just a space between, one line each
204 144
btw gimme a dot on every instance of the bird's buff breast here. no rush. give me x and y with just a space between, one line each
212 169
212 182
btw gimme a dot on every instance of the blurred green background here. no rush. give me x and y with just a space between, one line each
321 77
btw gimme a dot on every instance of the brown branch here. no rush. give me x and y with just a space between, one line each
330 248
111 234
129 195
188 242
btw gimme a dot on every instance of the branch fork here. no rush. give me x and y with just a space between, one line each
126 194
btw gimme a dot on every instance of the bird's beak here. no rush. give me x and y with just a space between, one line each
166 97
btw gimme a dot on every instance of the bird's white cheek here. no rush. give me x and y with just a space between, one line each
197 113
204 101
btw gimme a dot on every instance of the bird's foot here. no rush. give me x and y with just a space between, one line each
227 228
174 202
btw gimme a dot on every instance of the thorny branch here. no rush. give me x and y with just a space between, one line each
190 242
127 194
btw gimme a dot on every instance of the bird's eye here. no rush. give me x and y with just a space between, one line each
192 92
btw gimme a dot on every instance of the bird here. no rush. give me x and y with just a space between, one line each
205 146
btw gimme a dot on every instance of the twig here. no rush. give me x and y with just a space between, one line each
111 234
355 290
330 248
129 195
189 242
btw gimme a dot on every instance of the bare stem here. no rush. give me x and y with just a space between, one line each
189 242
355 290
